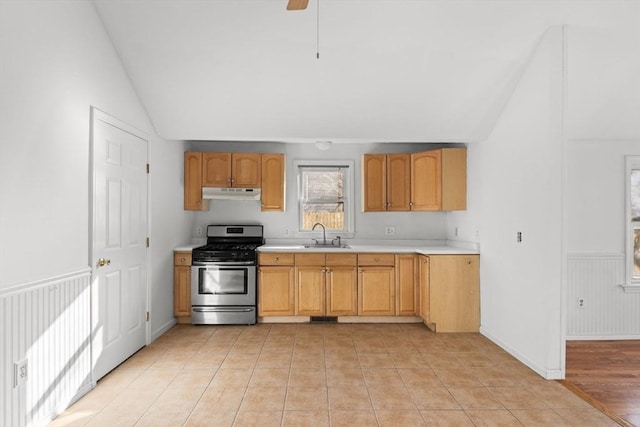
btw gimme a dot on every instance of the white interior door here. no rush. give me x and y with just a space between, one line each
119 249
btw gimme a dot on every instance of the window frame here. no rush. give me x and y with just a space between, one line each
348 201
632 283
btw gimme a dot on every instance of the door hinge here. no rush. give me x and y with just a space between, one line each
148 242
148 167
147 316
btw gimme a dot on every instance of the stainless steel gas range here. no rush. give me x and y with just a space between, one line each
223 275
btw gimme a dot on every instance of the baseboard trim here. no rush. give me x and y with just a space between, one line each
549 374
603 337
164 328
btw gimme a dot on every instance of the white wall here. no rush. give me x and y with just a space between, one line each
596 241
56 61
408 225
514 179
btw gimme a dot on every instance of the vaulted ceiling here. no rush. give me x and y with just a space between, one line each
388 70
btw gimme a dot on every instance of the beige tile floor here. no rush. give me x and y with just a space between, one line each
325 375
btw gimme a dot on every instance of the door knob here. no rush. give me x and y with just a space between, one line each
102 262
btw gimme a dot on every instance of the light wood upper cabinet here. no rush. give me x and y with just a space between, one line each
240 170
432 180
374 170
182 284
245 170
193 182
439 180
216 169
454 293
386 180
398 182
273 183
406 289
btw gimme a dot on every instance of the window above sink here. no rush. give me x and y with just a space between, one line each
325 195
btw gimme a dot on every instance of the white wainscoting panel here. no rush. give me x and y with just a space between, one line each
48 324
608 312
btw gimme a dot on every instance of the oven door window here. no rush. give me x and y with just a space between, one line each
223 281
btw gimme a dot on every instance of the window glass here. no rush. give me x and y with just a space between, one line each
324 196
633 225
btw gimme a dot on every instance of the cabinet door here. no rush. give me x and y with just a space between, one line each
193 182
276 291
216 169
374 169
454 179
245 170
406 290
454 292
310 290
342 291
376 291
398 182
273 183
423 262
426 181
181 290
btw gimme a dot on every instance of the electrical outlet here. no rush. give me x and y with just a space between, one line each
389 231
580 303
20 372
198 231
287 231
519 237
455 232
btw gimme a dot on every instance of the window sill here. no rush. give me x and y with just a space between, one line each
633 287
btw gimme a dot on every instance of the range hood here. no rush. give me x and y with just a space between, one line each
214 193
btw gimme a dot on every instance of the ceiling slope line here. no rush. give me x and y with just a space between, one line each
500 103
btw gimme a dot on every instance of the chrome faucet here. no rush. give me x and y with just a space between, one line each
324 233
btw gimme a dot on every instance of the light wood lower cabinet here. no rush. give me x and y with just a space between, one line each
376 285
442 289
276 291
182 285
423 284
310 285
454 293
341 291
406 269
326 284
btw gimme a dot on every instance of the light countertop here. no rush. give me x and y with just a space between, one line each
387 248
424 248
187 248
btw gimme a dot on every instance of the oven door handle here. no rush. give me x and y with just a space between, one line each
220 309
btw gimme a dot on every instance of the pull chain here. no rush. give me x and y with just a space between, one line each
318 29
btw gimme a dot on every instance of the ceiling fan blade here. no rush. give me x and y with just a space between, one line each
297 4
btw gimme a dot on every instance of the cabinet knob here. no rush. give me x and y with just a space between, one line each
276 259
376 259
468 260
182 259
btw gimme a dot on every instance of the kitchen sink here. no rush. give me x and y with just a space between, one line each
343 246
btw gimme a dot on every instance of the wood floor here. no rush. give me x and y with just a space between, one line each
607 375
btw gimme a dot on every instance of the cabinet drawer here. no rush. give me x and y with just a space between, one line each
275 258
376 259
309 259
182 258
337 259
